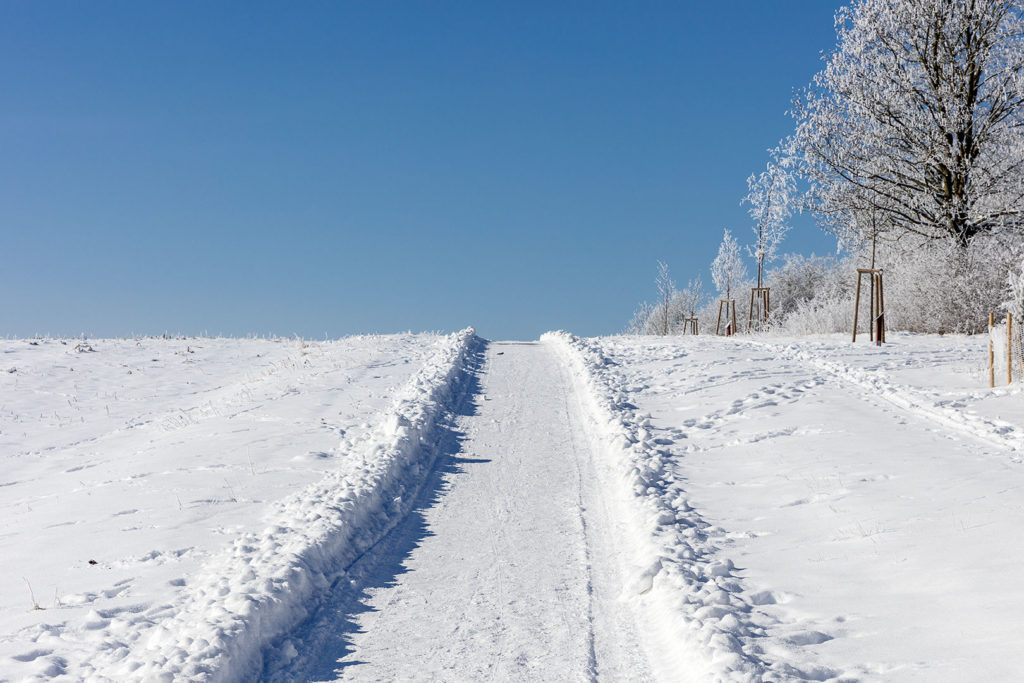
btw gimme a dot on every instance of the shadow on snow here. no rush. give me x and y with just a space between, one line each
324 641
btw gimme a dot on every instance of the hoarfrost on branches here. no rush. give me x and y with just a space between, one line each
691 297
666 293
1015 287
915 124
770 194
638 324
727 270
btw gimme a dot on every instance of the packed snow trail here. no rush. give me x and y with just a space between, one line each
505 569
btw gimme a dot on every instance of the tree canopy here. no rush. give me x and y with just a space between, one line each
915 125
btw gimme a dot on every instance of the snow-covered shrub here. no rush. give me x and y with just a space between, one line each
641 316
804 278
673 307
820 315
938 287
929 287
811 295
1015 290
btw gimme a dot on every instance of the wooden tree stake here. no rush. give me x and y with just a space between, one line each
1009 347
991 353
730 312
760 299
876 329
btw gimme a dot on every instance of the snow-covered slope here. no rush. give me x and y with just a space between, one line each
158 456
864 503
676 509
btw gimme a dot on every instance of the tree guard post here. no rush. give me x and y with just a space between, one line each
690 325
760 296
1009 347
991 352
876 287
876 329
730 312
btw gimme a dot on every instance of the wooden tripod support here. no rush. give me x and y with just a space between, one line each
760 297
690 325
730 313
877 328
1009 350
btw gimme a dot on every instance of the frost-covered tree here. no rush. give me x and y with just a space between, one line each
1015 289
915 124
691 298
727 270
770 195
801 279
638 324
666 294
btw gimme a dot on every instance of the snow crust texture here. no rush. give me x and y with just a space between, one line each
217 625
692 614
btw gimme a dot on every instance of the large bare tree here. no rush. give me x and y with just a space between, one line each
915 125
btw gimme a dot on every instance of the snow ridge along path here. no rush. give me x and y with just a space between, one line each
266 583
691 610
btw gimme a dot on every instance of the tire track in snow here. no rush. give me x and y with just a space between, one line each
495 574
691 612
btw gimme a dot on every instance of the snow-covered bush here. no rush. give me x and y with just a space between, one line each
1015 290
673 307
930 286
641 316
804 278
939 287
812 295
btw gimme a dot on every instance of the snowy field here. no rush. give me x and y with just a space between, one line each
857 508
126 465
621 508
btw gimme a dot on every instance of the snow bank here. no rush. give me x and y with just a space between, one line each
687 597
265 583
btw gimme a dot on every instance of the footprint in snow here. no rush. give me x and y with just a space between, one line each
808 638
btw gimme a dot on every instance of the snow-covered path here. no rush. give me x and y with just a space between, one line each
504 570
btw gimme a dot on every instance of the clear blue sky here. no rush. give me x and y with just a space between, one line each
344 167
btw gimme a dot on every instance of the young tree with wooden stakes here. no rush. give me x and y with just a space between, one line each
727 271
690 300
666 293
770 196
